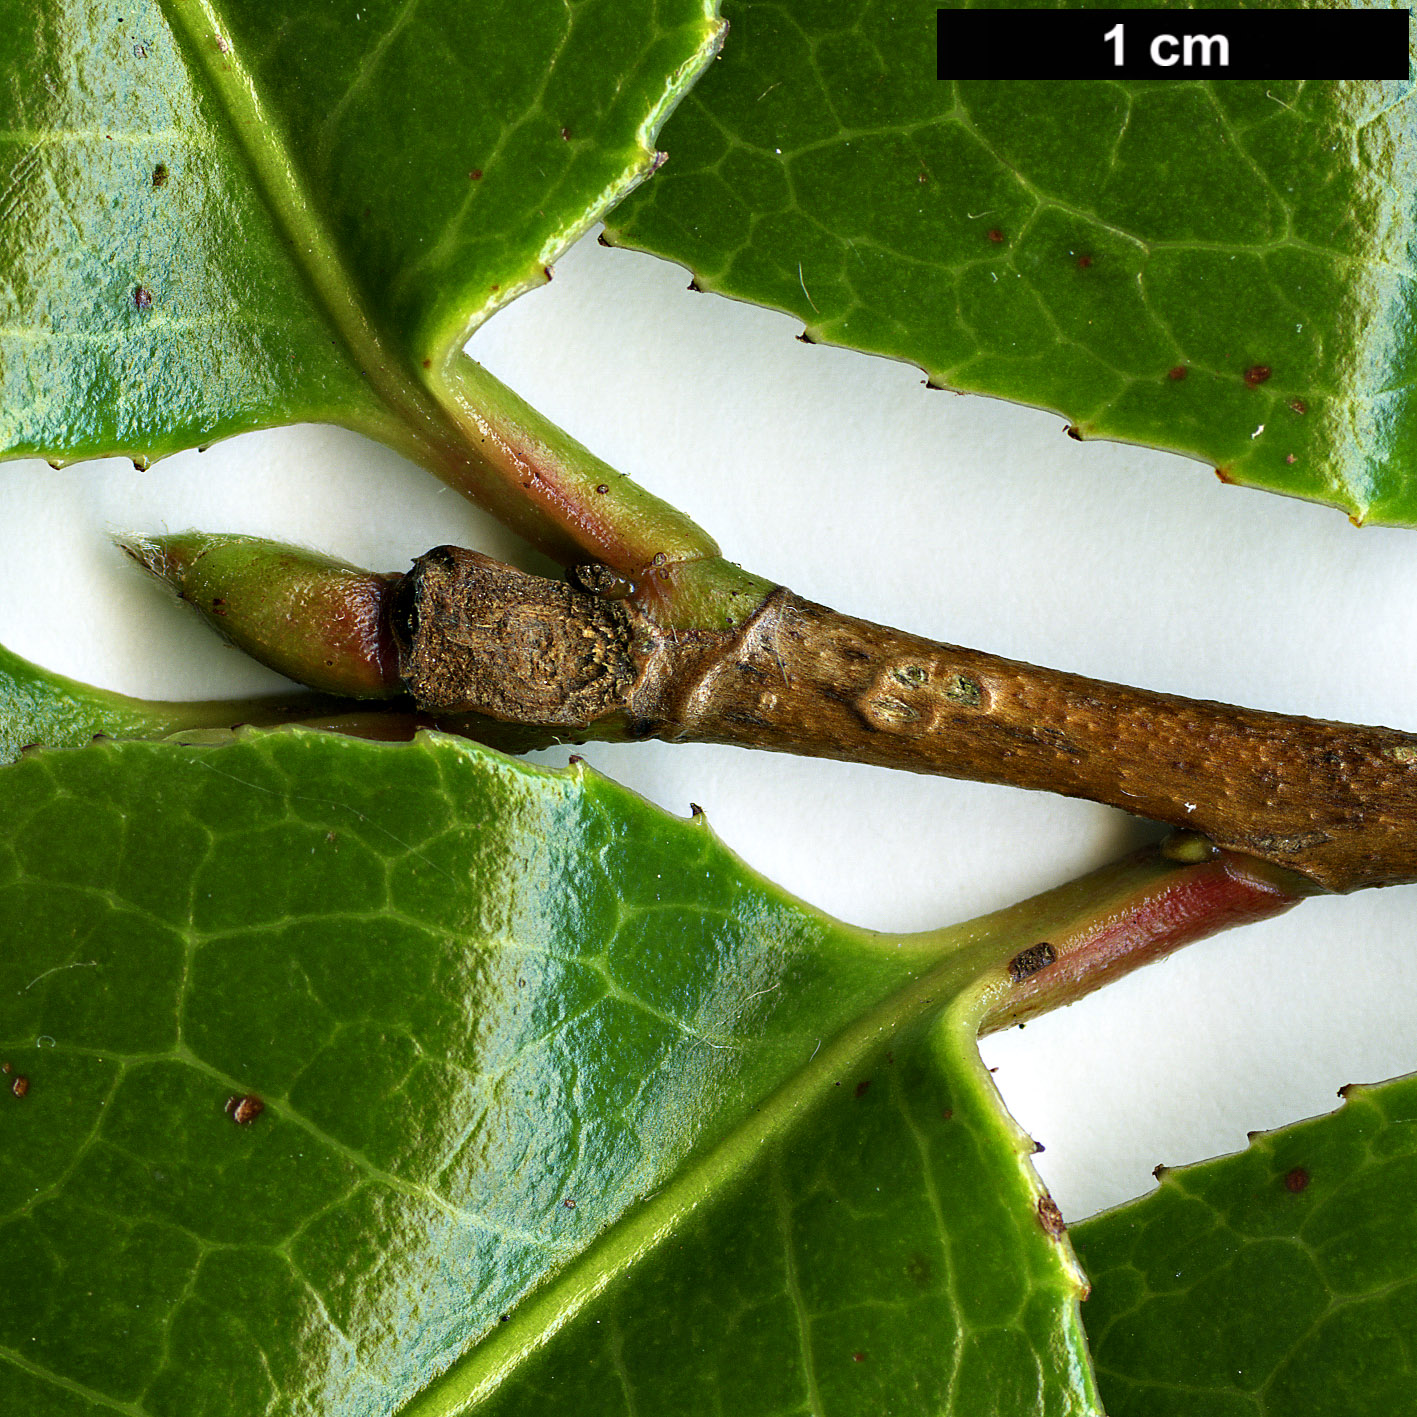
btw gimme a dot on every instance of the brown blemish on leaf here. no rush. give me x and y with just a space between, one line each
142 297
1031 960
565 135
1072 431
1298 406
475 175
6 1068
1084 262
1296 1180
1290 458
995 235
245 1109
1257 374
160 175
20 1086
1177 373
603 488
1224 475
427 363
858 1357
862 1087
1051 1218
946 1113
569 1203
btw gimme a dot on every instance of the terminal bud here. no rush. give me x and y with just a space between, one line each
315 619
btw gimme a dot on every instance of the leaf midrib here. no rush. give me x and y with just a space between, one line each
944 987
312 249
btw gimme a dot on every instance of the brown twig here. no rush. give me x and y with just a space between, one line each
1335 802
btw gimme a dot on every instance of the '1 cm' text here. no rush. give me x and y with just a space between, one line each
1167 50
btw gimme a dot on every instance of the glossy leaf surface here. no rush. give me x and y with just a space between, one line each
38 707
1225 269
535 1063
837 1277
1279 1280
218 215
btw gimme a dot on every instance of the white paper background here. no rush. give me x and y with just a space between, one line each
964 519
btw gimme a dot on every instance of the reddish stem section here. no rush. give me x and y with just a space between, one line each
1177 908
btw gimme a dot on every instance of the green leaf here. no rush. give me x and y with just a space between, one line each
1224 269
220 216
558 1099
886 1256
38 706
1279 1280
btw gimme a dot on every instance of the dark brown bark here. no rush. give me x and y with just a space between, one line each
476 636
1335 802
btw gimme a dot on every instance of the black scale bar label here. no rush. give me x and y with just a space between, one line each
1174 43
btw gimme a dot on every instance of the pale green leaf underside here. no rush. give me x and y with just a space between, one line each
1225 269
1278 1281
219 214
564 1108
